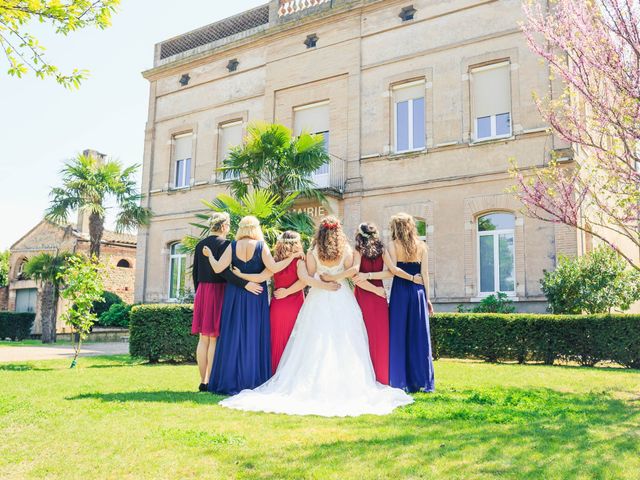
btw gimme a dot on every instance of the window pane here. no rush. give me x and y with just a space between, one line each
496 221
483 127
173 278
505 249
187 171
418 123
324 169
179 177
503 124
402 126
421 226
487 263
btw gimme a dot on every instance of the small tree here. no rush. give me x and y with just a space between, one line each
4 268
87 186
82 280
595 283
46 269
271 159
24 52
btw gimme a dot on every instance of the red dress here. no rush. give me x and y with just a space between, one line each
375 311
284 312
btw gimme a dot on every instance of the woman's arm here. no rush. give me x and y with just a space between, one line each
424 270
381 275
274 266
307 271
391 261
351 268
370 287
218 265
263 276
285 292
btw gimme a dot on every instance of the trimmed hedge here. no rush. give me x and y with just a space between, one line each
586 339
162 332
16 325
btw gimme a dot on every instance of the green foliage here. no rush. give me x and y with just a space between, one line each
103 305
82 280
16 325
162 332
595 283
45 267
4 268
274 213
586 339
272 159
89 185
118 315
498 303
23 50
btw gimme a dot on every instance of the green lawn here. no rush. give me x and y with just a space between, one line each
115 418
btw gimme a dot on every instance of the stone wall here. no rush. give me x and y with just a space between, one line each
4 298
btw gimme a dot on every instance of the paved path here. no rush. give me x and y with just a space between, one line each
21 354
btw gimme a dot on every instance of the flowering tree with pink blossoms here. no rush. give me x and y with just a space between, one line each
593 47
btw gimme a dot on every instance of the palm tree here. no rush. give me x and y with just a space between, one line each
274 213
272 159
46 268
87 186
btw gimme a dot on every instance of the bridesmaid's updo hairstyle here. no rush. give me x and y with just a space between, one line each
217 220
288 244
368 243
403 231
249 227
330 241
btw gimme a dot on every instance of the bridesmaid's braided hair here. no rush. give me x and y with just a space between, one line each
368 242
330 241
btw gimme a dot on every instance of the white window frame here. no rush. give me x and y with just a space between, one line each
493 117
172 257
223 155
180 164
496 257
409 119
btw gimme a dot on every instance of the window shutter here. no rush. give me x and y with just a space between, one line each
311 119
183 146
230 136
408 91
491 90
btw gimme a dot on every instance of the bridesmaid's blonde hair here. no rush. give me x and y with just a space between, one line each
288 244
217 220
249 227
403 231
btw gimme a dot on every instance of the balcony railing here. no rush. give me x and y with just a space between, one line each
288 7
331 176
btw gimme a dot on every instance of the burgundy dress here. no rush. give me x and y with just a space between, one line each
375 311
284 312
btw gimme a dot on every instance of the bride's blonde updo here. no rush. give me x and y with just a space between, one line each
403 230
249 227
330 241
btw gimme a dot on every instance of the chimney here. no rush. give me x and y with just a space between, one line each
82 225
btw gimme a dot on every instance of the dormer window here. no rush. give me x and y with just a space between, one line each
232 66
311 41
407 13
184 79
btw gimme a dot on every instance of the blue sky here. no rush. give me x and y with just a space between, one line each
42 124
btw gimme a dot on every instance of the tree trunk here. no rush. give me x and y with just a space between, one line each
48 311
96 228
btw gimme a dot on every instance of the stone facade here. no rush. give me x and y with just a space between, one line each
364 52
46 237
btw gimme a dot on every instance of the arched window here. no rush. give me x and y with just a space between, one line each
124 264
177 270
20 275
496 255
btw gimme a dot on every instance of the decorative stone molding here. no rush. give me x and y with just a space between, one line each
288 7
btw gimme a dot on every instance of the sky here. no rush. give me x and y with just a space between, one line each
42 124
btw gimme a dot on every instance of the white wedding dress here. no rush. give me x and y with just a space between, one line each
326 368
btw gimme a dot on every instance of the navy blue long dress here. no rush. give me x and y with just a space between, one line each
410 362
243 353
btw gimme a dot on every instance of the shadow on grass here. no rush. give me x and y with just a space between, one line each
162 396
22 367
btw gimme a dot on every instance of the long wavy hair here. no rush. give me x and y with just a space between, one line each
249 227
368 242
403 230
288 244
330 241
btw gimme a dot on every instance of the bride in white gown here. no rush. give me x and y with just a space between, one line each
326 368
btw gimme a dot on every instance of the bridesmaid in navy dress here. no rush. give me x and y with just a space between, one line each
410 361
243 353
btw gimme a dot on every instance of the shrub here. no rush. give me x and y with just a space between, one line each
102 306
586 339
117 316
16 325
162 332
595 283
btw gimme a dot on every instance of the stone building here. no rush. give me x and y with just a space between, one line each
118 252
423 103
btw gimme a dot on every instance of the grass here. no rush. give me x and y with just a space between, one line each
118 419
32 343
